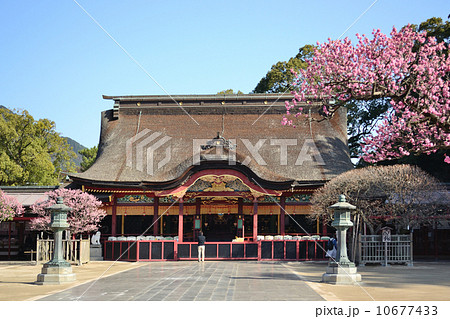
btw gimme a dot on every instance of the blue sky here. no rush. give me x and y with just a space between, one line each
56 62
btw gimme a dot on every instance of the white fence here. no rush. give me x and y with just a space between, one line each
398 251
76 251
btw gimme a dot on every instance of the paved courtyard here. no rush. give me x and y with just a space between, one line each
227 280
193 281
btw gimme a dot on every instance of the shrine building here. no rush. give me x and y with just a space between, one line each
170 166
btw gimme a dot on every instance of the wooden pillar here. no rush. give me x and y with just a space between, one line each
198 203
255 220
278 224
9 239
155 216
324 228
282 215
435 239
114 218
241 213
180 220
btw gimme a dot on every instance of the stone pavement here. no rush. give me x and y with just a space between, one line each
425 281
227 280
193 281
17 278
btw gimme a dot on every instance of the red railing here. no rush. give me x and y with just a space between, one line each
160 250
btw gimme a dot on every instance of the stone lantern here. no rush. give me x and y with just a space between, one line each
341 270
57 270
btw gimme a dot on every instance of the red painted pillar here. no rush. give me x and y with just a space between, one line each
155 216
255 220
282 216
180 220
114 218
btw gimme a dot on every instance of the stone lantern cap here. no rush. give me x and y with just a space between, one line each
342 204
59 206
59 215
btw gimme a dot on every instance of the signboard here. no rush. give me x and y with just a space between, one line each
386 235
239 224
197 224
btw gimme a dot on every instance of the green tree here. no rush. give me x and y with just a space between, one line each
280 76
31 152
88 157
362 117
435 27
229 92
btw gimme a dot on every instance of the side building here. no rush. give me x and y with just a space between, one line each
17 240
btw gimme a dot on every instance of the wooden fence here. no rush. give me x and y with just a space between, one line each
76 251
398 251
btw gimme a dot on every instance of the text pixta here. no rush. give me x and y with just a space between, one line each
337 311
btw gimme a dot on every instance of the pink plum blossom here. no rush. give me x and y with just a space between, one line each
9 207
407 68
85 216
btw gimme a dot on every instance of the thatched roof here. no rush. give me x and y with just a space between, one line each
157 129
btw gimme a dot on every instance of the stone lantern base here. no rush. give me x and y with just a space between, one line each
51 275
341 274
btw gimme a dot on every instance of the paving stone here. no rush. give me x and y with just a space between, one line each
221 280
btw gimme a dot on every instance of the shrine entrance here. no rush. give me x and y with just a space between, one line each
220 227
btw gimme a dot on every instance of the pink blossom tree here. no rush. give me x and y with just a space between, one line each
408 69
9 207
85 216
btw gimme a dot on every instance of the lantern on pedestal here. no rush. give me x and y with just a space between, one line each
341 270
57 270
